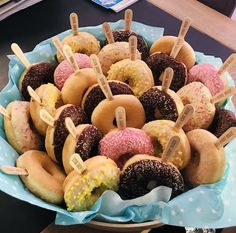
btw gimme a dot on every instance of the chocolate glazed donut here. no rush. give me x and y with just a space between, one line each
158 62
140 177
158 104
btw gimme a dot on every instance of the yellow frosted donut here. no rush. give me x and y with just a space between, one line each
136 73
83 190
84 42
161 131
45 178
113 53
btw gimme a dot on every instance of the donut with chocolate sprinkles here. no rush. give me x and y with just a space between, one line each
85 144
158 62
35 76
142 173
94 95
121 35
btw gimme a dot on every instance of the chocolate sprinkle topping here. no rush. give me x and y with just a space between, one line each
38 74
87 144
78 116
155 99
136 177
223 120
96 95
158 62
120 36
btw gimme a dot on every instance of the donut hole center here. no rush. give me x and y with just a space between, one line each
47 169
122 159
195 157
152 184
114 122
158 149
157 114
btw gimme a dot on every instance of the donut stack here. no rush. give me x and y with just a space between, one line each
106 118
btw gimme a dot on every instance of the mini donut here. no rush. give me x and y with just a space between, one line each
19 130
45 178
113 53
104 114
158 62
161 131
35 76
50 98
122 35
207 164
165 45
94 95
158 104
77 84
142 173
136 73
85 144
64 70
223 120
56 135
83 190
84 42
199 96
208 75
120 145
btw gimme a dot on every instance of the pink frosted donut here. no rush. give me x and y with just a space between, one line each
120 145
64 69
208 75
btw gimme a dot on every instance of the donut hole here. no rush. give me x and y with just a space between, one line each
114 122
158 149
158 115
123 158
48 169
195 157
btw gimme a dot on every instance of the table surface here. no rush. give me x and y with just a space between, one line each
46 19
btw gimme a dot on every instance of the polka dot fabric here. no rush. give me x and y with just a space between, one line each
207 206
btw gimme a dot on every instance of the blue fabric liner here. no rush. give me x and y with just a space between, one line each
209 206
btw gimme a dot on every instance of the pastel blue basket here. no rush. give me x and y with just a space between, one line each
208 206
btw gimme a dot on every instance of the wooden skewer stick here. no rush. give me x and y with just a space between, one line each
120 117
170 148
184 116
70 57
227 64
177 46
128 19
71 127
226 137
132 47
74 23
77 163
184 27
34 95
14 170
46 117
19 53
108 33
102 81
4 112
57 43
167 79
223 95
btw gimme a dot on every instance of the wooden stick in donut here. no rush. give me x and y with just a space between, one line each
47 97
104 114
124 34
132 70
83 140
82 187
211 77
34 75
165 44
159 102
162 130
41 176
80 42
160 60
18 127
120 145
78 82
64 70
57 132
152 172
113 51
203 102
208 162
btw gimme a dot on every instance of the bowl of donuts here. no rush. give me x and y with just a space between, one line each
121 128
